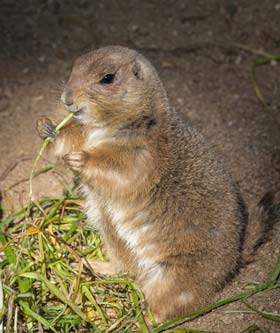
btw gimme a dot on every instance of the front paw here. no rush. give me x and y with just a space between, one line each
45 128
76 160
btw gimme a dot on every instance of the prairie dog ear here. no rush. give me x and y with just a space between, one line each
137 70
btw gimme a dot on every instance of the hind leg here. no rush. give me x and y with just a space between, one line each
171 294
113 266
102 267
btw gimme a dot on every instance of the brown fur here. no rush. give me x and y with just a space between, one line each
169 213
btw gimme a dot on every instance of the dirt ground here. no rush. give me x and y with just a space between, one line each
203 50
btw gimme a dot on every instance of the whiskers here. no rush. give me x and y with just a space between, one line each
53 95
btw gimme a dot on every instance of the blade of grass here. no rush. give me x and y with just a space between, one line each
36 174
275 274
116 324
22 212
8 250
30 231
2 308
257 63
36 316
188 330
92 300
264 314
11 218
257 89
138 311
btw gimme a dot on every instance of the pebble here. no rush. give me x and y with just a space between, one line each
167 64
227 319
180 101
42 59
134 28
38 98
238 60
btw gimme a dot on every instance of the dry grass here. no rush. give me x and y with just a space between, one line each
44 282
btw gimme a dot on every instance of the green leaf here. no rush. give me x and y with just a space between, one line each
36 316
274 275
9 252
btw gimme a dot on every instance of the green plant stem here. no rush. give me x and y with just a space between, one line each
42 149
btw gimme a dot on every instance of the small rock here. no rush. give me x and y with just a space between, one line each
38 98
180 101
42 59
238 60
167 64
134 28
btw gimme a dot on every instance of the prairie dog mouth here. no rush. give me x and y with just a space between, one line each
77 110
78 113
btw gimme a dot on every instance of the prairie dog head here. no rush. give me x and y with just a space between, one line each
113 87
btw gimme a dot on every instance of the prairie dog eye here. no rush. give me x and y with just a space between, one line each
107 79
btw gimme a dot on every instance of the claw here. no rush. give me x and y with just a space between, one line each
76 160
45 128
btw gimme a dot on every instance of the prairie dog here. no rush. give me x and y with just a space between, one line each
169 213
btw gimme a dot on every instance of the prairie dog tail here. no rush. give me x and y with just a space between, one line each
260 224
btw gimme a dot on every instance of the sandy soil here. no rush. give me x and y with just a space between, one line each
195 45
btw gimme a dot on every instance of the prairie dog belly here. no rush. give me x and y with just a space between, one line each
92 207
135 229
130 225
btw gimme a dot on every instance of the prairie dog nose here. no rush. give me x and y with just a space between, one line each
67 97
